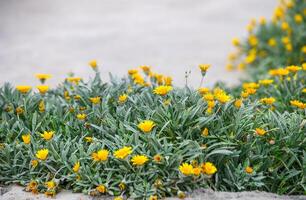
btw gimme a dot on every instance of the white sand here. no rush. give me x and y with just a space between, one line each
60 36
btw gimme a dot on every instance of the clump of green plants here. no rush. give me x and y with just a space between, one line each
141 137
272 44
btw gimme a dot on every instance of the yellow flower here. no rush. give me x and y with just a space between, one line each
285 26
122 186
211 104
205 132
95 100
146 69
162 90
279 72
272 42
298 18
208 97
153 197
26 138
236 42
43 77
81 116
298 104
266 82
34 163
76 167
250 58
93 64
223 98
50 184
253 41
122 98
123 152
204 67
42 154
293 68
238 103
100 155
250 85
41 106
268 101
146 126
43 88
260 131
197 171
132 71
47 135
118 198
262 20
23 88
32 185
249 170
203 90
88 139
75 80
158 158
209 168
19 110
101 188
167 80
304 90
186 169
139 160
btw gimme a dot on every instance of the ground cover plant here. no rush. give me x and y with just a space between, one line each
141 137
271 44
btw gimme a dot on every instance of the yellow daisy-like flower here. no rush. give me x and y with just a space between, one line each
101 188
153 197
208 168
293 68
23 88
272 42
236 42
118 198
76 167
265 82
50 184
249 170
205 132
158 158
88 139
253 41
298 18
162 90
304 90
93 64
139 160
122 98
43 88
186 169
238 103
211 104
26 138
146 69
34 163
203 90
123 152
260 131
43 77
223 98
146 126
81 116
47 135
268 101
95 100
208 97
75 80
204 67
298 104
197 171
132 71
279 72
42 154
101 155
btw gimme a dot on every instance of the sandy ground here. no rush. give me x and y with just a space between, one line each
57 37
17 193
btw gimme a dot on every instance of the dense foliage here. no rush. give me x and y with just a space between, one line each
140 137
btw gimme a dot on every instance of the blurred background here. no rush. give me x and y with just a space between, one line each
172 36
